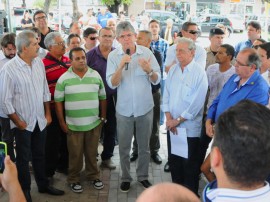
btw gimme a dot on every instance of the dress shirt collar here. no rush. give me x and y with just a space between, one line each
138 50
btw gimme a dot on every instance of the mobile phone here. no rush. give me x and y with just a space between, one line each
3 153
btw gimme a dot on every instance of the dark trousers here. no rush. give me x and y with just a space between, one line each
185 171
154 139
28 143
168 144
204 143
56 152
109 129
7 136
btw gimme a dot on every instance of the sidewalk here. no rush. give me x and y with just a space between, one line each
111 180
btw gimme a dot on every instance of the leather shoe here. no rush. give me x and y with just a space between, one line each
27 195
52 191
156 158
167 167
133 157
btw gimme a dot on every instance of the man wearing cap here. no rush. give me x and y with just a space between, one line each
216 37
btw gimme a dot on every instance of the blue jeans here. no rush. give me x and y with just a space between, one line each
27 144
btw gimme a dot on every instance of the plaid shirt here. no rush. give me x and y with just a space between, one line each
162 46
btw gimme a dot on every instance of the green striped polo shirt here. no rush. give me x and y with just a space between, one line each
81 97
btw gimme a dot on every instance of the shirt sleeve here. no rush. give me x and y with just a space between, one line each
59 93
101 92
7 90
111 68
170 55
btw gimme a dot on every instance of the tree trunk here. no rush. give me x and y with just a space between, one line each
114 8
75 10
46 6
23 4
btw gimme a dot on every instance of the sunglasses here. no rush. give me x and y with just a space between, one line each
193 32
92 38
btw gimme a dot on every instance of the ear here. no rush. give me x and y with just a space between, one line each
216 158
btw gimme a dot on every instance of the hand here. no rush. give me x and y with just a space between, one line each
174 130
172 123
21 125
145 64
209 128
125 59
49 119
64 127
9 178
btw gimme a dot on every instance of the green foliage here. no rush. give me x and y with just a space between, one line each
112 2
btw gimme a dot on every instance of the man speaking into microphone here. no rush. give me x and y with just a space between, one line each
132 73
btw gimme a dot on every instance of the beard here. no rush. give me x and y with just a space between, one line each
10 56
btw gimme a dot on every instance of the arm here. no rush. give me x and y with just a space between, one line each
21 124
48 113
9 181
103 108
117 76
59 109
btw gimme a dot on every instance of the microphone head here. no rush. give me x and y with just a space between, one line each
128 51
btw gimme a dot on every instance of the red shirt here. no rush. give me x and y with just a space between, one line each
54 70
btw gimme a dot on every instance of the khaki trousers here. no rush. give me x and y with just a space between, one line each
79 144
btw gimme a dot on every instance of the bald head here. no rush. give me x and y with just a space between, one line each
167 192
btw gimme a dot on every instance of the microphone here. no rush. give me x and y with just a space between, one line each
127 52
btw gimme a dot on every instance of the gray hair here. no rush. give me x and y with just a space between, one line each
147 33
191 44
23 39
124 26
50 39
253 57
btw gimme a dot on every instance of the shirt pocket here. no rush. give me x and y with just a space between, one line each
186 92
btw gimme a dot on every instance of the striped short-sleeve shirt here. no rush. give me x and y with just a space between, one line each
81 97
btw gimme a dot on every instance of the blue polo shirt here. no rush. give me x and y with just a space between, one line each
241 45
255 89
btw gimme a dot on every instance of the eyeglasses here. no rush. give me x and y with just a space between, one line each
255 47
125 36
193 32
41 18
241 64
62 43
92 38
107 36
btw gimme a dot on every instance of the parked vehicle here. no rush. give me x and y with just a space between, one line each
237 22
162 16
211 21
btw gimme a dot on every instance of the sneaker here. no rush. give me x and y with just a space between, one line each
98 184
145 183
76 187
108 164
125 186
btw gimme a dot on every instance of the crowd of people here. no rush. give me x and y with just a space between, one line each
115 81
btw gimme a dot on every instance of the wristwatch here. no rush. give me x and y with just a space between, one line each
150 73
179 119
103 120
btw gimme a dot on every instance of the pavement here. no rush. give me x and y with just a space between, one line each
111 180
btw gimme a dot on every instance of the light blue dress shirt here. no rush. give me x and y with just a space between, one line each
134 92
200 56
184 95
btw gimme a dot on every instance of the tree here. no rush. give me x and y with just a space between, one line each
76 13
113 5
46 6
